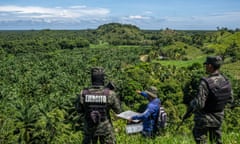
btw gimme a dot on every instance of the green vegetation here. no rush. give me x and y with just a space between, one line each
43 71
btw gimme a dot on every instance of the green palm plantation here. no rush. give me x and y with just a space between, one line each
43 71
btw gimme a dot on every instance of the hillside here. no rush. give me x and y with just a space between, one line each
43 71
120 34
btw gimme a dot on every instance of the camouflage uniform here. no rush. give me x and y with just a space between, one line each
95 103
207 120
103 130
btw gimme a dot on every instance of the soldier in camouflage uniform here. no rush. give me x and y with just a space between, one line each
208 106
95 104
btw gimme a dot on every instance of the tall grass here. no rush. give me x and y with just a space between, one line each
171 138
165 139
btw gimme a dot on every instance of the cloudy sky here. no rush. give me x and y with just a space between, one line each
145 14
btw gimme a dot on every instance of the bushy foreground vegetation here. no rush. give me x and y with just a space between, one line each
42 71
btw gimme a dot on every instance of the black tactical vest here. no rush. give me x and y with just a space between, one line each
95 102
219 94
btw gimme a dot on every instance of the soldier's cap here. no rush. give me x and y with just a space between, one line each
152 91
214 60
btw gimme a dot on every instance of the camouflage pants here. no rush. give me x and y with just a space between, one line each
107 139
201 135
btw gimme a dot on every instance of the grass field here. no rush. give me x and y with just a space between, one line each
233 69
180 63
230 68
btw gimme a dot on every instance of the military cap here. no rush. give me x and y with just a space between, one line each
214 60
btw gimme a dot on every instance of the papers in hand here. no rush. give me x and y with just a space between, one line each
134 128
128 114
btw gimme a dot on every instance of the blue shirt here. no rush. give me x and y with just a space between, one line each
149 116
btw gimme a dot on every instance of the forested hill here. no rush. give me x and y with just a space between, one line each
118 34
42 71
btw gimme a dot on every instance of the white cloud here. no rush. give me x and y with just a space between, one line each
74 12
84 16
136 17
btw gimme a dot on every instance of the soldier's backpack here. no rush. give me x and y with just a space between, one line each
96 105
162 118
219 95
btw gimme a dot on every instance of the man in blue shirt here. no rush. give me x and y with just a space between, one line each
150 115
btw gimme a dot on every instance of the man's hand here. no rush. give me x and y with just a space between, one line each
130 120
138 91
